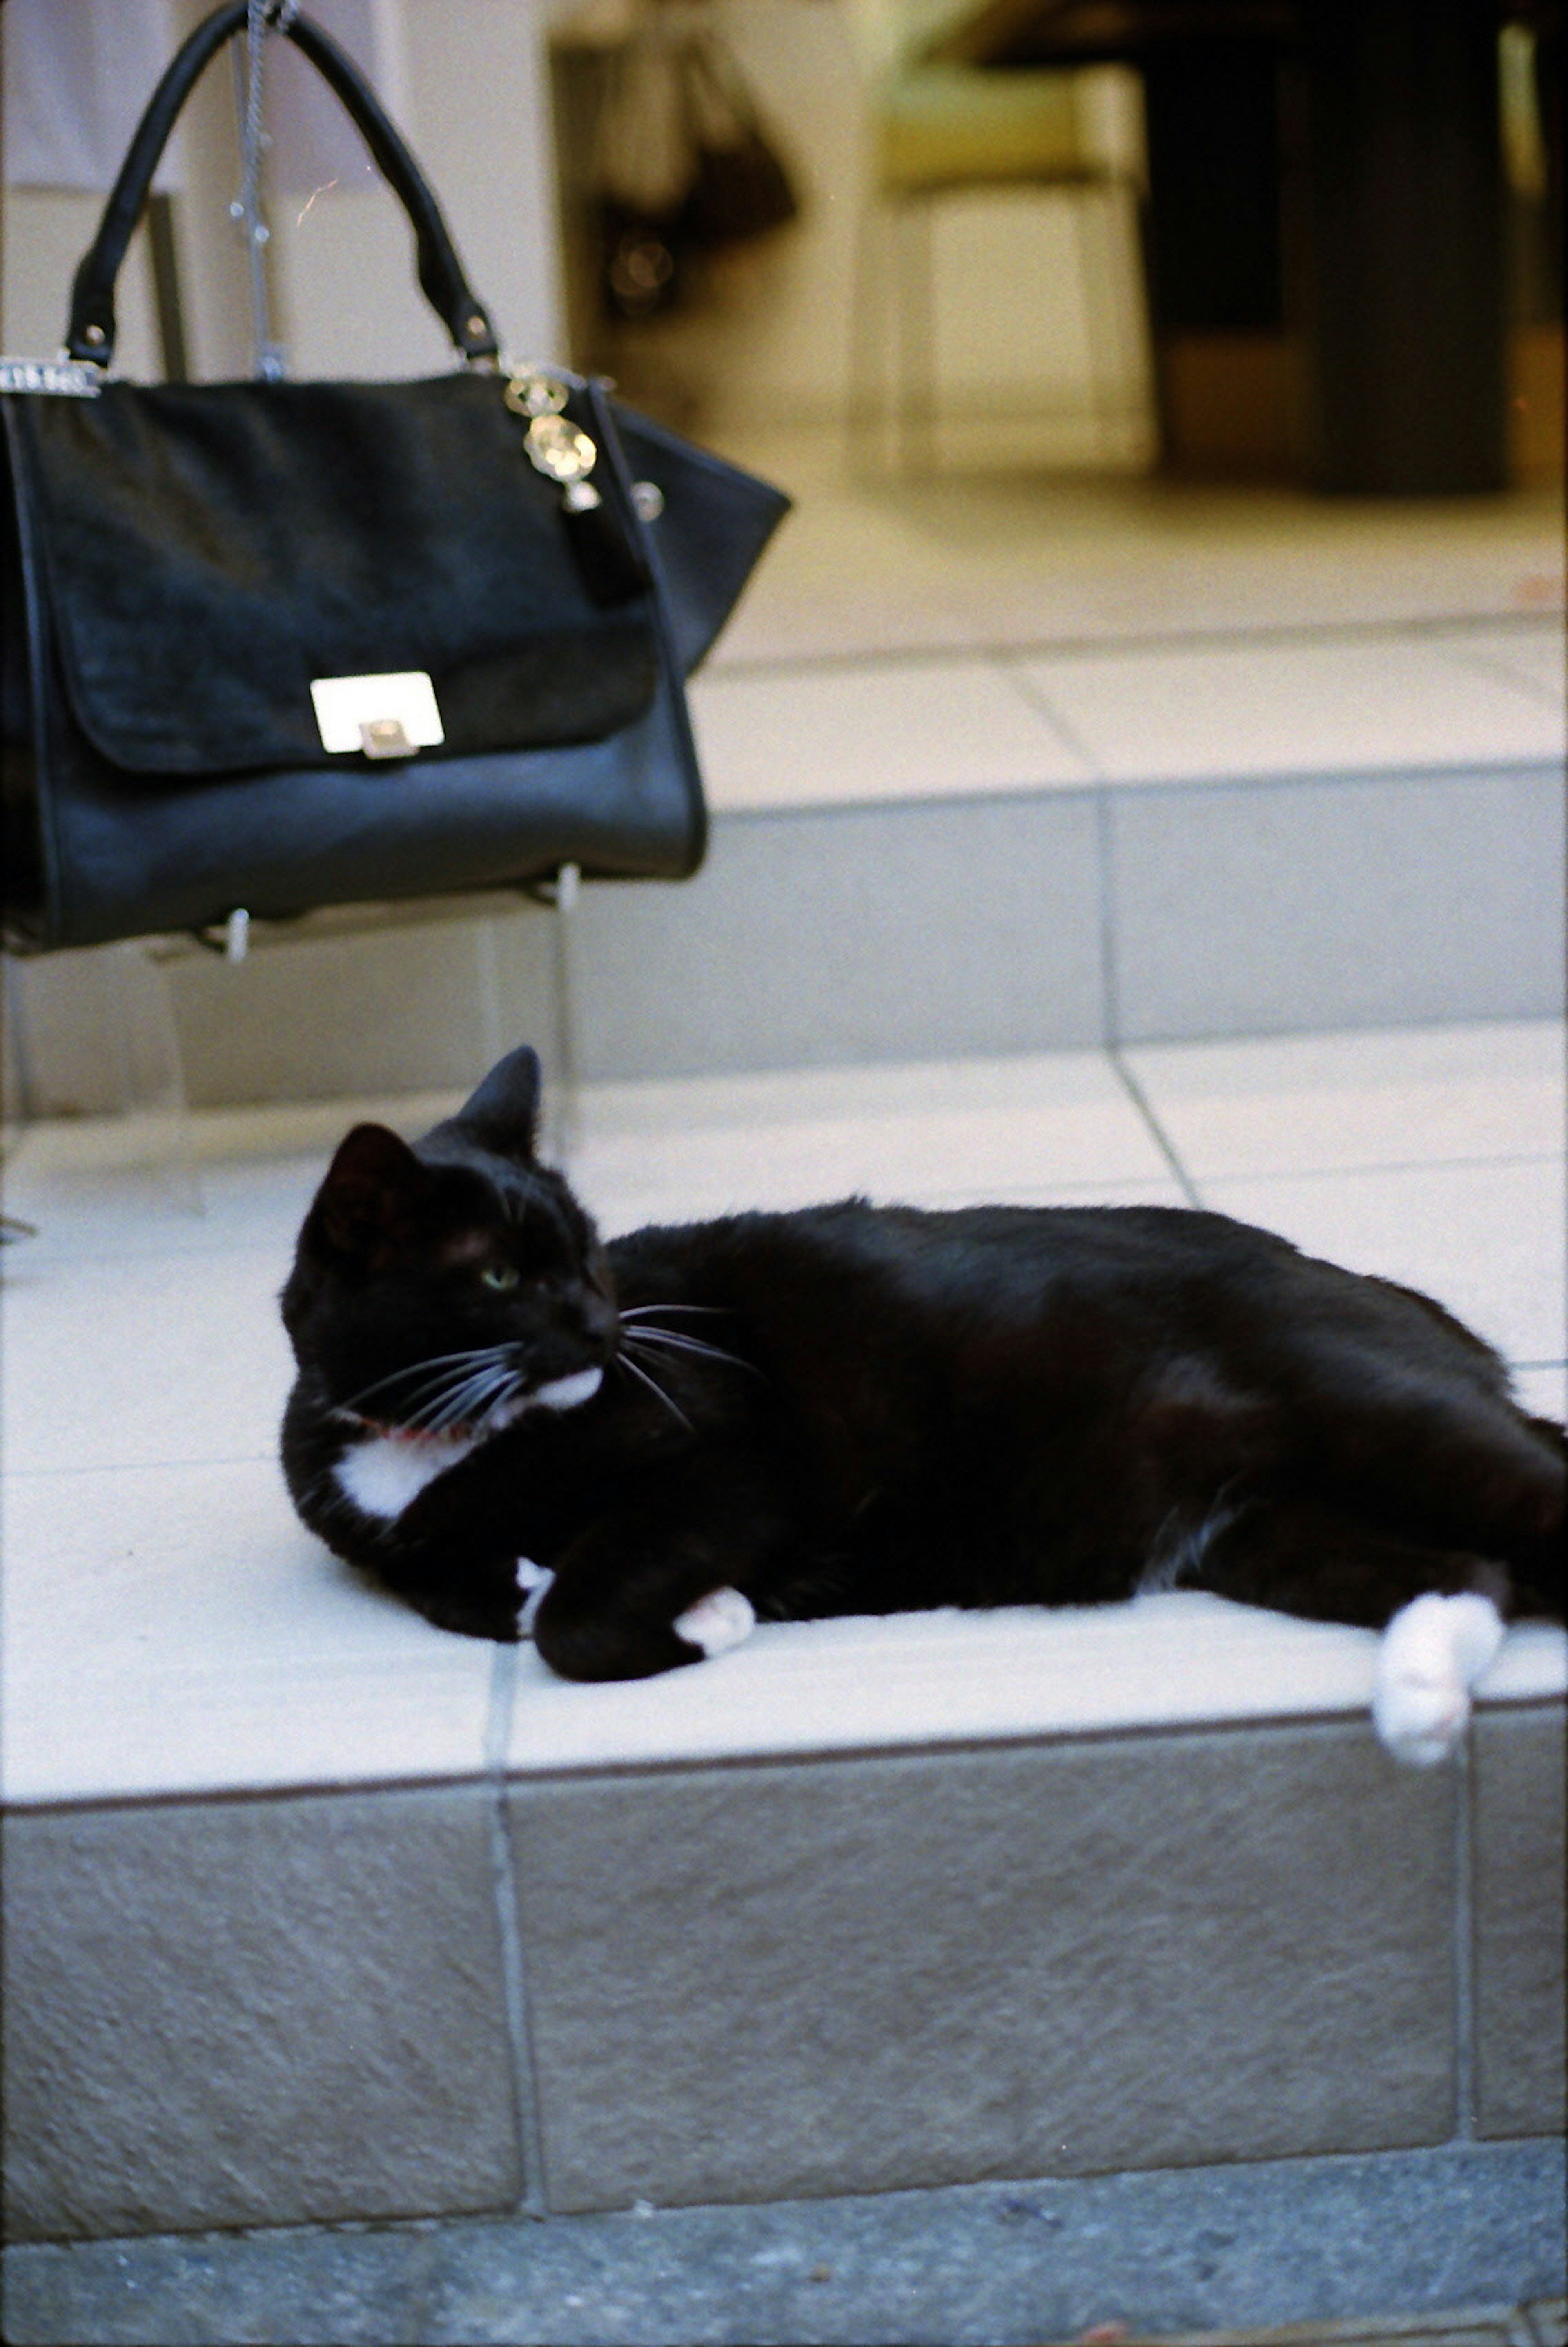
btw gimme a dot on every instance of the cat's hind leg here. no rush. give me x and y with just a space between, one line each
1431 1654
1442 1614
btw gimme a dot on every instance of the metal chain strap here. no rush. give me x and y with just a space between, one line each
263 17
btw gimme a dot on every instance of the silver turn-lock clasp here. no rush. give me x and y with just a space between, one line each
388 716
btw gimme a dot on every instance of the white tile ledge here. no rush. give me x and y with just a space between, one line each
1181 1659
912 1681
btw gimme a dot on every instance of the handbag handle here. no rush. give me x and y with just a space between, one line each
90 335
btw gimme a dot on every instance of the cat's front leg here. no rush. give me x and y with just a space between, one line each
477 1596
626 1605
716 1623
582 1637
460 1577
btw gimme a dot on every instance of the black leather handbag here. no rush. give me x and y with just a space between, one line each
274 646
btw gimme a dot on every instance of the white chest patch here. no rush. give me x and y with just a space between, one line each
384 1475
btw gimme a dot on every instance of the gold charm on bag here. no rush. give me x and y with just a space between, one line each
610 565
556 446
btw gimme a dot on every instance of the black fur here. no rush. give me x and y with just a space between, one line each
863 1409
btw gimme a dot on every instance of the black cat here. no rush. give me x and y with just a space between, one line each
855 1409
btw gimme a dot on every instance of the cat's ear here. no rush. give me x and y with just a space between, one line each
503 1115
372 1192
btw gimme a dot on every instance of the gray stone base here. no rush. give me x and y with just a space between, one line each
760 1980
1041 920
973 2266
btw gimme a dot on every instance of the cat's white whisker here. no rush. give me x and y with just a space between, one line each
435 1405
449 1362
472 1399
706 1311
436 1402
1180 1546
427 1403
676 1342
627 1363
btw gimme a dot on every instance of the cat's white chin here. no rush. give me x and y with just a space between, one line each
560 1393
1432 1653
565 1393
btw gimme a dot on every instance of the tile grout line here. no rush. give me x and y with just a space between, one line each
1106 864
1110 975
1486 664
1012 673
1161 1139
1111 994
1464 1941
513 1974
1286 636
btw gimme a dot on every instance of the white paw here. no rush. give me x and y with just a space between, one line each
1431 1654
1419 1721
533 1581
719 1620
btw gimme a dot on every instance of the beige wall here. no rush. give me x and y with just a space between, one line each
1014 285
470 96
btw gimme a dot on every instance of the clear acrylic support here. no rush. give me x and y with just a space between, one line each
20 1093
564 1124
147 1071
561 1137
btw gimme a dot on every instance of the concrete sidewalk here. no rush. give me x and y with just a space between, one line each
1326 2247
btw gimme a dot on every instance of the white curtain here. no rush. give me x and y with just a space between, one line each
78 73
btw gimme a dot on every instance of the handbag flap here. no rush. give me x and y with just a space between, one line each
210 551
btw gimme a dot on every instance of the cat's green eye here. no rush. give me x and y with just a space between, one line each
501 1275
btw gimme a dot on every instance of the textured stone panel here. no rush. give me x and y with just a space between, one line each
241 2013
1273 908
892 932
1519 1919
750 1981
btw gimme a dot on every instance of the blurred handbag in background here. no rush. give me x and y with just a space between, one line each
284 645
684 166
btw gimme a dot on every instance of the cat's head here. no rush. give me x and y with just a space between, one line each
453 1283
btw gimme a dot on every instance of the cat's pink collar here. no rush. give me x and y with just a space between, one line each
381 1430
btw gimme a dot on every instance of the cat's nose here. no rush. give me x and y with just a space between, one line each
600 1318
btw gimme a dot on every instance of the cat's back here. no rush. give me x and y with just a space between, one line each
831 1265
